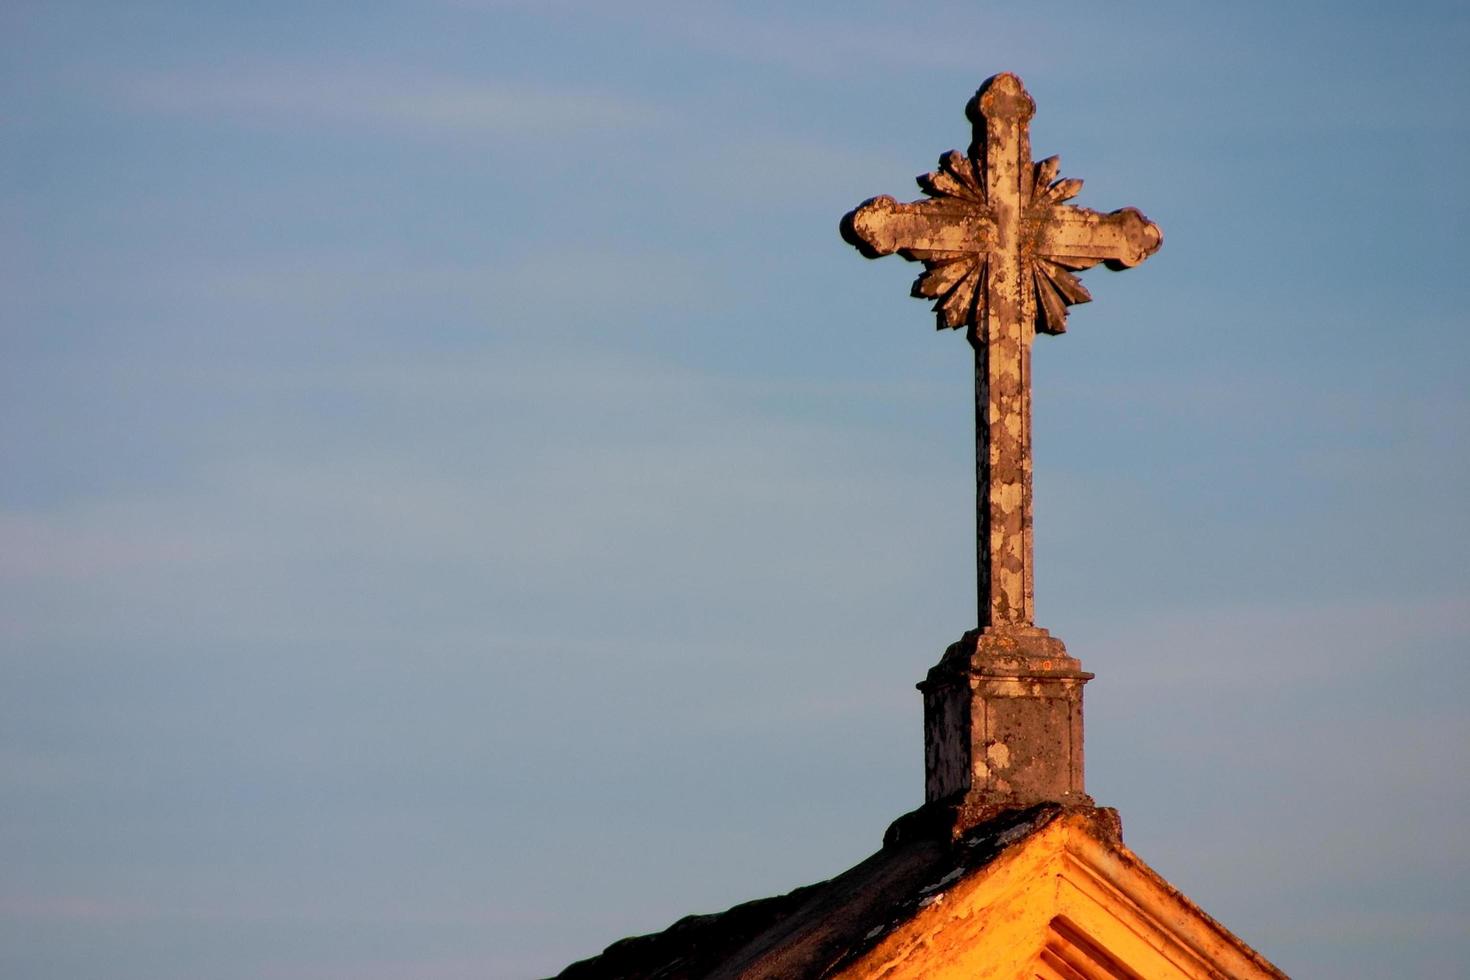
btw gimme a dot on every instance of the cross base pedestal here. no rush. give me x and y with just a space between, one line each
1003 725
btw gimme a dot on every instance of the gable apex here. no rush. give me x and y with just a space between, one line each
1065 901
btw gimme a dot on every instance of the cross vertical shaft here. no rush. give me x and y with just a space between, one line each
1004 552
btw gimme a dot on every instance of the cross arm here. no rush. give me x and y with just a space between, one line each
919 230
1080 238
952 237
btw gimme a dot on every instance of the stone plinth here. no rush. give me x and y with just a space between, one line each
1003 725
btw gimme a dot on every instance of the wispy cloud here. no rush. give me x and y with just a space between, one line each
1231 647
403 102
75 909
514 293
525 495
823 44
367 910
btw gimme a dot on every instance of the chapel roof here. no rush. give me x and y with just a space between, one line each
888 913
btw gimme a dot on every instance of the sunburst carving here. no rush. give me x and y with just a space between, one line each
1056 287
953 234
954 278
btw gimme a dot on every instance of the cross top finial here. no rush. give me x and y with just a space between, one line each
1000 246
1001 95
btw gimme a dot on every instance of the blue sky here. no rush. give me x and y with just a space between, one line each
462 503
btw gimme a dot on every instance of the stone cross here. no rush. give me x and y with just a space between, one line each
999 247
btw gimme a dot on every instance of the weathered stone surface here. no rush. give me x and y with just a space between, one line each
1000 246
1003 724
